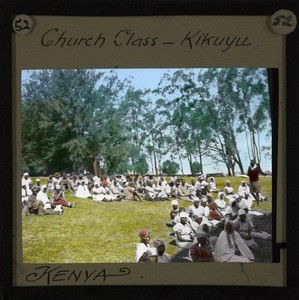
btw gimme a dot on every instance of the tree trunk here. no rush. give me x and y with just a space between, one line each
95 166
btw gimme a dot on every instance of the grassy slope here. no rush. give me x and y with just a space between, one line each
103 232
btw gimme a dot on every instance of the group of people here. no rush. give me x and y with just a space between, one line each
36 200
219 230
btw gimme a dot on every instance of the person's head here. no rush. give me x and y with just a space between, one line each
197 218
221 195
175 204
204 201
196 202
212 179
34 191
252 163
205 228
201 237
37 181
243 183
152 255
242 215
229 227
26 175
160 246
183 217
144 235
227 183
44 188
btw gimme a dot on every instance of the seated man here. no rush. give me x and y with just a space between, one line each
244 228
162 256
174 211
131 193
35 206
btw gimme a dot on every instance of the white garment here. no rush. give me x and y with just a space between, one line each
141 248
42 197
185 231
82 192
227 253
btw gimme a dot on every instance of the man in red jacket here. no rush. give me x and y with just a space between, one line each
253 172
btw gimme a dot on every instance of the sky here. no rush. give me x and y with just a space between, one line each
149 79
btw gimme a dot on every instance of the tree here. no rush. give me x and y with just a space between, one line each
196 167
170 167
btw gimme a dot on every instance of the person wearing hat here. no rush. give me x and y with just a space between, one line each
243 188
141 255
37 184
200 251
244 228
212 184
231 211
152 255
162 256
56 178
26 180
183 232
174 211
196 208
204 205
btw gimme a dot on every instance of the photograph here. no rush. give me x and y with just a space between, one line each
147 165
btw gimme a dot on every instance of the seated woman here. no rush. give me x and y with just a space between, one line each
200 251
174 211
82 191
141 255
183 232
230 247
212 185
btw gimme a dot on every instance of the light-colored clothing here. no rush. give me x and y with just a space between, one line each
164 258
141 248
227 251
185 231
82 192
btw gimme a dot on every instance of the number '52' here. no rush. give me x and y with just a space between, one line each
284 20
19 26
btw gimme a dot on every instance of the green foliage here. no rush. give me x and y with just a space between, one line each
170 167
196 167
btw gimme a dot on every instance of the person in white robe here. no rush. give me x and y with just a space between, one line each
212 185
196 208
26 180
220 202
230 246
141 255
183 232
83 191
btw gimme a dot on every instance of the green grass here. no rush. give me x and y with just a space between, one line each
102 232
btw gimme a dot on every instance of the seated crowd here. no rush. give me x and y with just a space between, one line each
219 230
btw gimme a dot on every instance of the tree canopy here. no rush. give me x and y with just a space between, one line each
90 119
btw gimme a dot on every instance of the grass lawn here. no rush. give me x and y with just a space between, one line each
100 232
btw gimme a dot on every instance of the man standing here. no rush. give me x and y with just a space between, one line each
253 172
